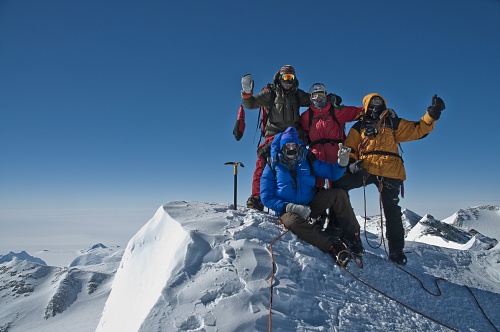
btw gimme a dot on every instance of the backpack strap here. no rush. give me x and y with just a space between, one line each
264 112
334 117
385 153
325 140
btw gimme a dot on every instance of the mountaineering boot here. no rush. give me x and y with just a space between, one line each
355 245
254 202
321 219
334 231
398 256
340 253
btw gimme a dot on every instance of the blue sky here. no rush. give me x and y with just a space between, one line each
128 104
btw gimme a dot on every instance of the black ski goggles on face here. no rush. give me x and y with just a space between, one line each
290 149
287 77
376 101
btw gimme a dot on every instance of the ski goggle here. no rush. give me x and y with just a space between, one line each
287 77
290 149
376 101
318 95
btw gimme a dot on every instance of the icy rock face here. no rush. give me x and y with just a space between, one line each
66 294
19 277
445 231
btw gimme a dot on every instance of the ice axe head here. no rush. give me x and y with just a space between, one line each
235 164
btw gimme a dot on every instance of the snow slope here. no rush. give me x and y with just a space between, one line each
204 267
218 280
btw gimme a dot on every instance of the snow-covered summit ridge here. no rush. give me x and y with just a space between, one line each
218 279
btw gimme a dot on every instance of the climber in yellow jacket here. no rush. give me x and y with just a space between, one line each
375 159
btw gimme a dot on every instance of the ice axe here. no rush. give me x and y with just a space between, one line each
235 164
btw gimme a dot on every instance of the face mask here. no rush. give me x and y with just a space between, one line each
376 111
376 107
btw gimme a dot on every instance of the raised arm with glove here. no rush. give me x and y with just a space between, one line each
247 84
437 106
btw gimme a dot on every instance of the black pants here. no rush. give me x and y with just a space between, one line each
390 201
335 199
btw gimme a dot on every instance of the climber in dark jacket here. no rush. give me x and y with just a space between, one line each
282 100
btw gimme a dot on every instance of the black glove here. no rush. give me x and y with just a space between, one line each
436 107
335 100
355 168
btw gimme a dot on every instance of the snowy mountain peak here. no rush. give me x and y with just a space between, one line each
21 256
411 217
472 213
484 219
98 245
430 230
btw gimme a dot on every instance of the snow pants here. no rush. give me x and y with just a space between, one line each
336 199
395 233
262 154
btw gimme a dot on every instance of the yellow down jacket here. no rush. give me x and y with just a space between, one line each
380 152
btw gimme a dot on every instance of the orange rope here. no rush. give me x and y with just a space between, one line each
269 318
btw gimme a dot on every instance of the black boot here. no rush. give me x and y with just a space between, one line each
254 202
340 252
355 245
398 256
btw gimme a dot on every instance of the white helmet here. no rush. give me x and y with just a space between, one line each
317 87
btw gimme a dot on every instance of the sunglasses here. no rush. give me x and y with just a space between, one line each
287 77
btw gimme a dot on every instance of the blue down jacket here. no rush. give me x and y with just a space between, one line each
278 187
